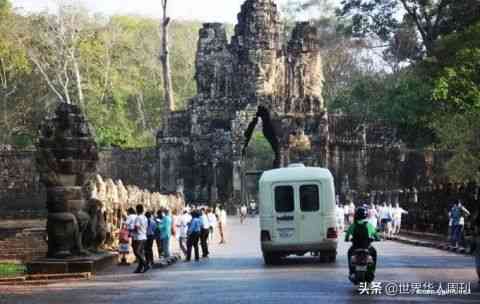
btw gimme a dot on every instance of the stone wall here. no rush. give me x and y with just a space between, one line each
22 244
22 195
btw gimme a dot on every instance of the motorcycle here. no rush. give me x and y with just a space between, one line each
363 265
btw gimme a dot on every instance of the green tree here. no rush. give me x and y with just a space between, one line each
457 90
401 100
109 65
259 153
13 65
432 18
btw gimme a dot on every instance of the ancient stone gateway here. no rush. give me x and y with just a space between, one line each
254 71
255 75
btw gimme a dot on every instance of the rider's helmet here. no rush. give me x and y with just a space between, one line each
361 213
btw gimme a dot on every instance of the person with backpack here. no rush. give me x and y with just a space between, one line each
362 233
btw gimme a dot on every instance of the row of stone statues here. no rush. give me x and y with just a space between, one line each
113 199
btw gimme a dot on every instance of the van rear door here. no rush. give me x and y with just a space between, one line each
311 221
284 211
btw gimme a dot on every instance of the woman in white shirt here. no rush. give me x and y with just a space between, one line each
212 219
222 223
373 215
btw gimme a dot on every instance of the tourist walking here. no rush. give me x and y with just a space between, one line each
150 238
397 213
458 222
212 219
158 235
385 216
373 215
243 213
204 233
130 221
340 218
350 212
222 224
194 231
124 244
166 232
182 228
139 239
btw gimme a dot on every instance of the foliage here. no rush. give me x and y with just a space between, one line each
259 153
119 78
11 270
14 65
433 19
459 134
457 89
401 100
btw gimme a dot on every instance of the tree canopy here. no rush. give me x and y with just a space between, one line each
107 65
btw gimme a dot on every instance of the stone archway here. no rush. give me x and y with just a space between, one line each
269 131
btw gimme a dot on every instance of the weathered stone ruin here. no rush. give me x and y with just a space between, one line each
84 211
258 75
256 69
66 159
114 198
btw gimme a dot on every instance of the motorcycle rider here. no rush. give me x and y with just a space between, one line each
362 233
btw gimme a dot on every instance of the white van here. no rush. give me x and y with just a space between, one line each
297 213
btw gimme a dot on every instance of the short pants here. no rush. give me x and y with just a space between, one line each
124 248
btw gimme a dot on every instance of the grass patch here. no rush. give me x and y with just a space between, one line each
8 270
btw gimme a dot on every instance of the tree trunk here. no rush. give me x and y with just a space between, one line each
141 111
7 131
4 136
78 79
165 61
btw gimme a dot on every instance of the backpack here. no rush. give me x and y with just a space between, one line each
360 237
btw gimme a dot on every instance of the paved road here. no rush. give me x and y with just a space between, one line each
235 273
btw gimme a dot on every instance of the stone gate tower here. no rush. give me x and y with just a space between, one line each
201 149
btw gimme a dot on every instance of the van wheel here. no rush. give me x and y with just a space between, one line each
271 258
332 258
328 256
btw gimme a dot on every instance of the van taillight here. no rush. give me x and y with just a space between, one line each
332 233
265 236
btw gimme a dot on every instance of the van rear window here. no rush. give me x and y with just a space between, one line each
284 201
309 198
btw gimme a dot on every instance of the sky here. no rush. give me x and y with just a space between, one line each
202 10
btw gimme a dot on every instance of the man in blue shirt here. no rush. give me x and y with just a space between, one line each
194 231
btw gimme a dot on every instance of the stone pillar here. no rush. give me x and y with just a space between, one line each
66 159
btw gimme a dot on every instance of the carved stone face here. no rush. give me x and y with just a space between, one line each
263 64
